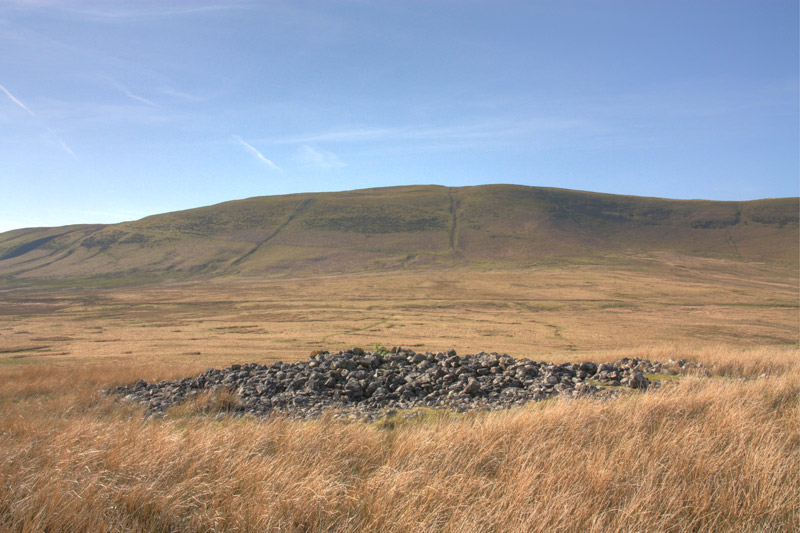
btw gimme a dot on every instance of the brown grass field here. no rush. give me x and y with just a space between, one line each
715 453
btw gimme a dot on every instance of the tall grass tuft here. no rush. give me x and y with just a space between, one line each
698 455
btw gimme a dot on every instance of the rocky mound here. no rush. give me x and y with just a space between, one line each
367 384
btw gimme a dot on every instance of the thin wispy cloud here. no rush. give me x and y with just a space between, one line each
127 92
342 135
466 133
112 12
311 156
250 148
64 145
99 113
136 97
59 141
16 101
120 11
181 95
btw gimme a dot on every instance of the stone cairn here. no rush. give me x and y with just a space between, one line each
369 385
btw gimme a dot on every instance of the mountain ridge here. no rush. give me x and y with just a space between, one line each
426 226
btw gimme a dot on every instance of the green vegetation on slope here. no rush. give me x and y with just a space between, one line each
401 227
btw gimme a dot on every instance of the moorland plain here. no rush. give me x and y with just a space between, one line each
557 312
700 453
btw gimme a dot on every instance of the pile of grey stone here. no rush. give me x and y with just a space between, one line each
368 384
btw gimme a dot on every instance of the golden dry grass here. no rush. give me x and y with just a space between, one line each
701 454
540 313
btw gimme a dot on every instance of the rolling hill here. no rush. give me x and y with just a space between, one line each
405 227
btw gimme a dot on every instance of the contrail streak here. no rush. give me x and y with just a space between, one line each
58 139
258 154
16 101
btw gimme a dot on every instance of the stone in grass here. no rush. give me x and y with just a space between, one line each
638 381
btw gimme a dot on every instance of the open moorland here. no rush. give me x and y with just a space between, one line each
550 312
700 453
713 450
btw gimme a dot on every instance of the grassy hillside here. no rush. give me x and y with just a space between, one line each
401 227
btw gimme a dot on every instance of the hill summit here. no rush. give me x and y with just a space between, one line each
405 227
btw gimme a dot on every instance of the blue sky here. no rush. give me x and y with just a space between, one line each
112 111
